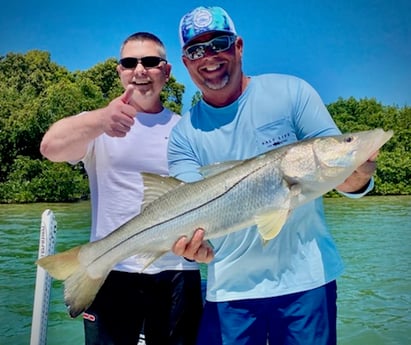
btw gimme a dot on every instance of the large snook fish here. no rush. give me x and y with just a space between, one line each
262 190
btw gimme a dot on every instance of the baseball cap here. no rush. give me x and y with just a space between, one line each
204 19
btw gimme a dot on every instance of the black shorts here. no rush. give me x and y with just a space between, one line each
166 306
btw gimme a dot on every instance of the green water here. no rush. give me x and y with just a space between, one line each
374 295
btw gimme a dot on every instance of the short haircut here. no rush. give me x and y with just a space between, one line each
146 36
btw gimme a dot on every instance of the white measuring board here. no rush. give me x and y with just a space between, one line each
48 230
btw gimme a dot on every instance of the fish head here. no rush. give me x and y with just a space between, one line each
322 162
348 151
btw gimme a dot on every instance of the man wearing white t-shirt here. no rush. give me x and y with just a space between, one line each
116 144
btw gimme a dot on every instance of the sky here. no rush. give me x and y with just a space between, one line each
359 48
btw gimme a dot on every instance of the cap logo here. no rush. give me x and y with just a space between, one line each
202 18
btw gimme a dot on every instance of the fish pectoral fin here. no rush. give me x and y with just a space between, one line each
270 223
156 186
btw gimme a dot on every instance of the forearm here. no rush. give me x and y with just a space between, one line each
68 138
354 184
359 180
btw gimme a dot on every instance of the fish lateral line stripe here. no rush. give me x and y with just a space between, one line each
179 215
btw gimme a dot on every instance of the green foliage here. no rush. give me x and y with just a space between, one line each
394 161
104 75
197 96
34 93
30 73
35 180
172 95
23 80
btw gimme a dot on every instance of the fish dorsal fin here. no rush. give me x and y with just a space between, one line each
216 168
270 223
156 185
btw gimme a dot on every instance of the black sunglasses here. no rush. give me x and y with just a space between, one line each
146 61
217 45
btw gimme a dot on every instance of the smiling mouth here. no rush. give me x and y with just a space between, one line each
212 68
140 82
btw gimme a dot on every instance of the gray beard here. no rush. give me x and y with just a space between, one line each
217 86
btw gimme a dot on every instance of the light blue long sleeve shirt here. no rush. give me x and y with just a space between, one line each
273 111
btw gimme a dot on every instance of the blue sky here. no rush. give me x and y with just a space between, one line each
359 48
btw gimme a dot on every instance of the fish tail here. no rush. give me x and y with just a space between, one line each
60 266
80 288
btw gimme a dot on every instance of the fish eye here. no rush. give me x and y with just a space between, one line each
349 139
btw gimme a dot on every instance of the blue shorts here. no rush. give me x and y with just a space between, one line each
304 318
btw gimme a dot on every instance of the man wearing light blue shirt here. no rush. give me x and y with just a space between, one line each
283 292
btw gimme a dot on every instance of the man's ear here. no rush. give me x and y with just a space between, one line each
239 44
118 69
186 60
167 71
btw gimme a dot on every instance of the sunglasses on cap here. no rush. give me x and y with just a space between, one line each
216 45
146 61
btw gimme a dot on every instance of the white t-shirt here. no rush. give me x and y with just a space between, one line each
113 166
